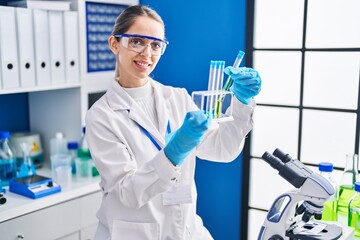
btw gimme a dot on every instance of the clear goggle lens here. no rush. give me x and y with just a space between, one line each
138 43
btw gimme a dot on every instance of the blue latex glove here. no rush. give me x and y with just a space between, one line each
247 83
187 137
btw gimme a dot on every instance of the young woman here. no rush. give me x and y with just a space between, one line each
144 138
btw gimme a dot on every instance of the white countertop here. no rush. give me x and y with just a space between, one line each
18 205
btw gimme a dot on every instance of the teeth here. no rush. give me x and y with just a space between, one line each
143 64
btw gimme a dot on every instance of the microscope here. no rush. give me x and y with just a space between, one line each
290 216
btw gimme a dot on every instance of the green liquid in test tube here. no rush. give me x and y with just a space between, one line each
228 83
236 64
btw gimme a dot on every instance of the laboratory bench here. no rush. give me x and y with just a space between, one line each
67 215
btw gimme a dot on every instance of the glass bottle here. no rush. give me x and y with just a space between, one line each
346 187
27 167
330 207
354 210
7 160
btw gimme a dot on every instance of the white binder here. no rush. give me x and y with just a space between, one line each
71 35
42 47
25 42
8 46
56 35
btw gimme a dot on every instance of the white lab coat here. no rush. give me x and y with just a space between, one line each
137 178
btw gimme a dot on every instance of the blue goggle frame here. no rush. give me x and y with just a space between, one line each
142 36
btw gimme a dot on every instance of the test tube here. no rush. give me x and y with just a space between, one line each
210 84
219 79
211 70
236 64
222 74
213 85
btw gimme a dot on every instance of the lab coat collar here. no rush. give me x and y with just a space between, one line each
118 99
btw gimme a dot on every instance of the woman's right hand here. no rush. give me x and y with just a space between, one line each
187 137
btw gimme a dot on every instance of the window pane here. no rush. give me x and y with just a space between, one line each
275 128
332 79
256 219
333 24
327 136
280 73
278 23
263 193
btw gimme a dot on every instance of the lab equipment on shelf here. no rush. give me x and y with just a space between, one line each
61 169
83 148
330 207
60 160
31 138
73 151
84 168
58 144
7 160
27 167
34 186
84 153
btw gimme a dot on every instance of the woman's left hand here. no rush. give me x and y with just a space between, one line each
247 83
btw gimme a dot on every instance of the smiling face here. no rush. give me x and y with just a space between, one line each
134 68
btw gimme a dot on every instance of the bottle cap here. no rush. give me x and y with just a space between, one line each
4 134
326 167
72 145
357 186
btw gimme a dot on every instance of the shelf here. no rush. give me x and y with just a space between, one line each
18 205
40 88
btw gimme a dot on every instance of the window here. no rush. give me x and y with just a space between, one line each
308 55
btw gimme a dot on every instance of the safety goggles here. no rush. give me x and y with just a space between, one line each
138 43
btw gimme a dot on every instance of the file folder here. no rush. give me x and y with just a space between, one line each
71 31
56 38
42 47
25 42
8 48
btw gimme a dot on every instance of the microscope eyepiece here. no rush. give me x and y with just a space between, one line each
272 160
282 156
291 169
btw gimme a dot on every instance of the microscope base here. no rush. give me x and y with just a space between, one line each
331 232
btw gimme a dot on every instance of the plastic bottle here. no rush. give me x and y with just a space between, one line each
58 145
84 148
346 187
330 207
73 151
84 153
60 159
354 210
7 160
